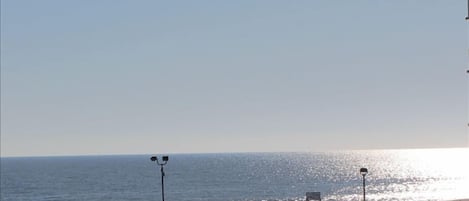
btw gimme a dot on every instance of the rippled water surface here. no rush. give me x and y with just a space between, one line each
432 174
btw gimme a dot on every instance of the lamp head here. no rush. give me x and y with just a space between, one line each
153 158
363 171
165 158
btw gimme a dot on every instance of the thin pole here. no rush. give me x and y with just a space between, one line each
162 183
364 188
467 17
467 71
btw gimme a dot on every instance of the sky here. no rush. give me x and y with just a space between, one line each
138 77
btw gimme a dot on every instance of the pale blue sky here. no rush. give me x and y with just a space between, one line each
133 77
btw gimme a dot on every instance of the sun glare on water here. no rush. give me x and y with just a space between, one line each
446 171
436 174
413 175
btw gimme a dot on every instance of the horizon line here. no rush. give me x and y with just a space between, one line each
237 152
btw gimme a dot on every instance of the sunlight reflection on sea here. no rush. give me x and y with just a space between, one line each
430 174
404 175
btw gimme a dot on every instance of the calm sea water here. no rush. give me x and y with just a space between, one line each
437 174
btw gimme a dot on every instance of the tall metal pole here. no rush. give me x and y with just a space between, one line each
165 160
363 172
364 188
162 182
467 17
467 71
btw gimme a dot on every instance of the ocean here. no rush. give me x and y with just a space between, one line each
420 174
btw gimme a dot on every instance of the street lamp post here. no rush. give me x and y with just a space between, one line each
165 160
363 172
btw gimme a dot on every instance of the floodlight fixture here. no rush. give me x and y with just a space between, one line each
165 160
363 171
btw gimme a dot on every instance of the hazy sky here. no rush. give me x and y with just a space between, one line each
133 77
